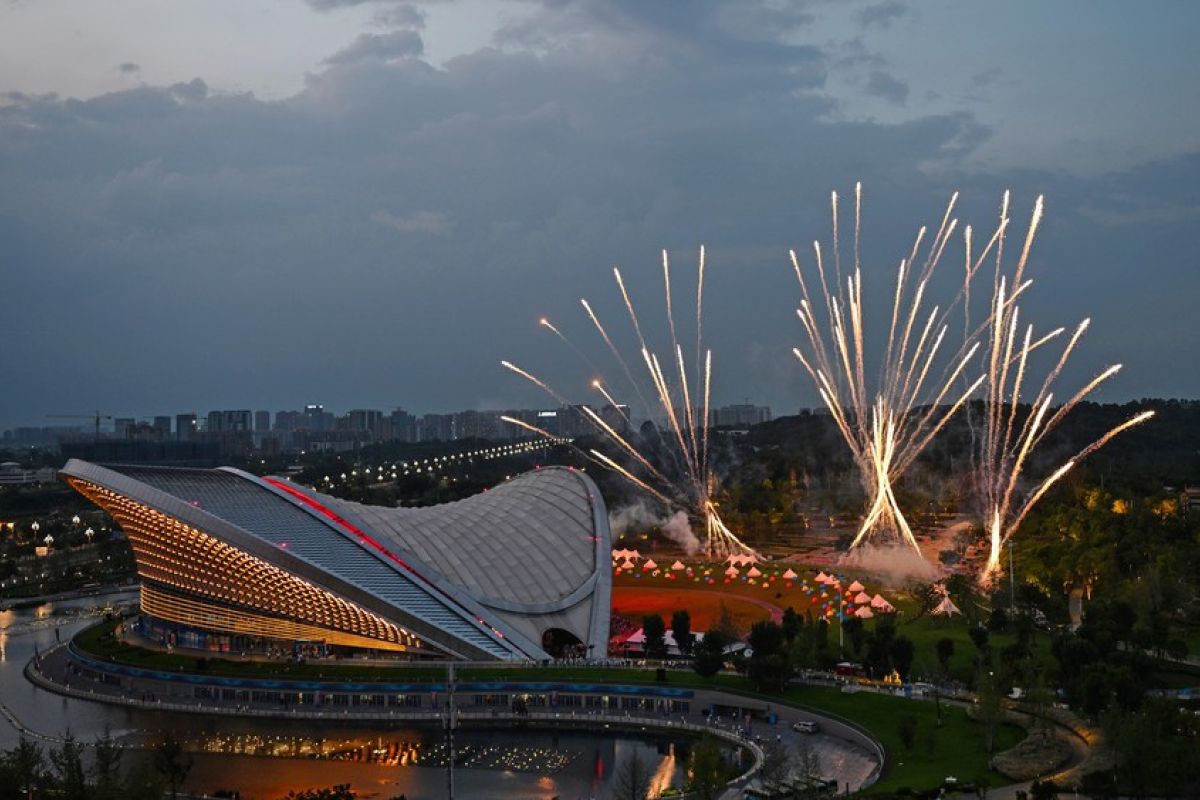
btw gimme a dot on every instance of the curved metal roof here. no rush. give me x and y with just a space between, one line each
481 577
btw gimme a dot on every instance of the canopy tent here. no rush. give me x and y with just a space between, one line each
649 565
946 607
864 613
754 572
863 599
790 575
625 554
856 587
678 565
741 559
732 572
878 602
626 565
822 577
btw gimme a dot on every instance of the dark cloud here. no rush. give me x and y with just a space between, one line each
389 233
881 84
987 77
128 68
385 46
882 15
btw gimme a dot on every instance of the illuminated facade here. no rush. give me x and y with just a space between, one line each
497 576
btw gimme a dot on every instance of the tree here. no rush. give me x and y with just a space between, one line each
70 778
807 768
990 707
710 654
681 629
856 632
901 651
172 763
945 651
709 771
106 769
26 766
768 666
792 622
775 766
655 631
632 780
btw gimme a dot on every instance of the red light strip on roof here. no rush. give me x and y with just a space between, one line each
340 521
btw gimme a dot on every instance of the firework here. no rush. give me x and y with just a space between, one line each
922 382
1007 441
690 483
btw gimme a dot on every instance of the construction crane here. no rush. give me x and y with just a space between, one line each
96 417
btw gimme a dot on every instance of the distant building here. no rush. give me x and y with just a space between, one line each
229 421
289 421
368 421
121 426
316 419
186 427
739 416
162 428
262 421
404 426
616 417
13 474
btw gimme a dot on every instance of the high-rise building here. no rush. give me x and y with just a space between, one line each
404 426
186 427
739 416
315 417
162 427
365 420
262 421
121 426
229 421
289 420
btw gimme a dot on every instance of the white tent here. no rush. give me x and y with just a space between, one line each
863 599
732 572
625 554
878 602
864 613
741 560
830 580
790 575
678 565
946 607
754 572
627 565
649 565
856 587
822 577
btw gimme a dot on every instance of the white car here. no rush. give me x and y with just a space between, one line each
804 726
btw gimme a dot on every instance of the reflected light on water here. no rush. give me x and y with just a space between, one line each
660 781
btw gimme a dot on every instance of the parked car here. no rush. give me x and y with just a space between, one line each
805 726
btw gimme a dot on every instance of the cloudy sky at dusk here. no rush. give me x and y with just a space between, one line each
261 203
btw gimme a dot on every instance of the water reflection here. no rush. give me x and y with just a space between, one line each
265 759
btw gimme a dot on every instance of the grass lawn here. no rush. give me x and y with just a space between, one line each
635 602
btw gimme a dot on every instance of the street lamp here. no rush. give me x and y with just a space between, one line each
75 519
89 533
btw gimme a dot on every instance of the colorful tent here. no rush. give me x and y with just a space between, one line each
862 598
678 565
649 565
822 577
754 572
877 602
946 607
856 587
864 613
790 575
732 572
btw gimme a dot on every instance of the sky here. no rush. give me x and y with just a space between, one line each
259 204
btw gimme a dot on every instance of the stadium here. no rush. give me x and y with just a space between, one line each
233 562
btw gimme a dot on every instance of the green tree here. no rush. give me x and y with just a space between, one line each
106 769
901 651
710 654
26 767
709 772
68 773
945 651
340 792
681 629
775 766
172 764
792 623
655 631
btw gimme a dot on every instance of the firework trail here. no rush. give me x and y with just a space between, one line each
671 395
889 421
1005 446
